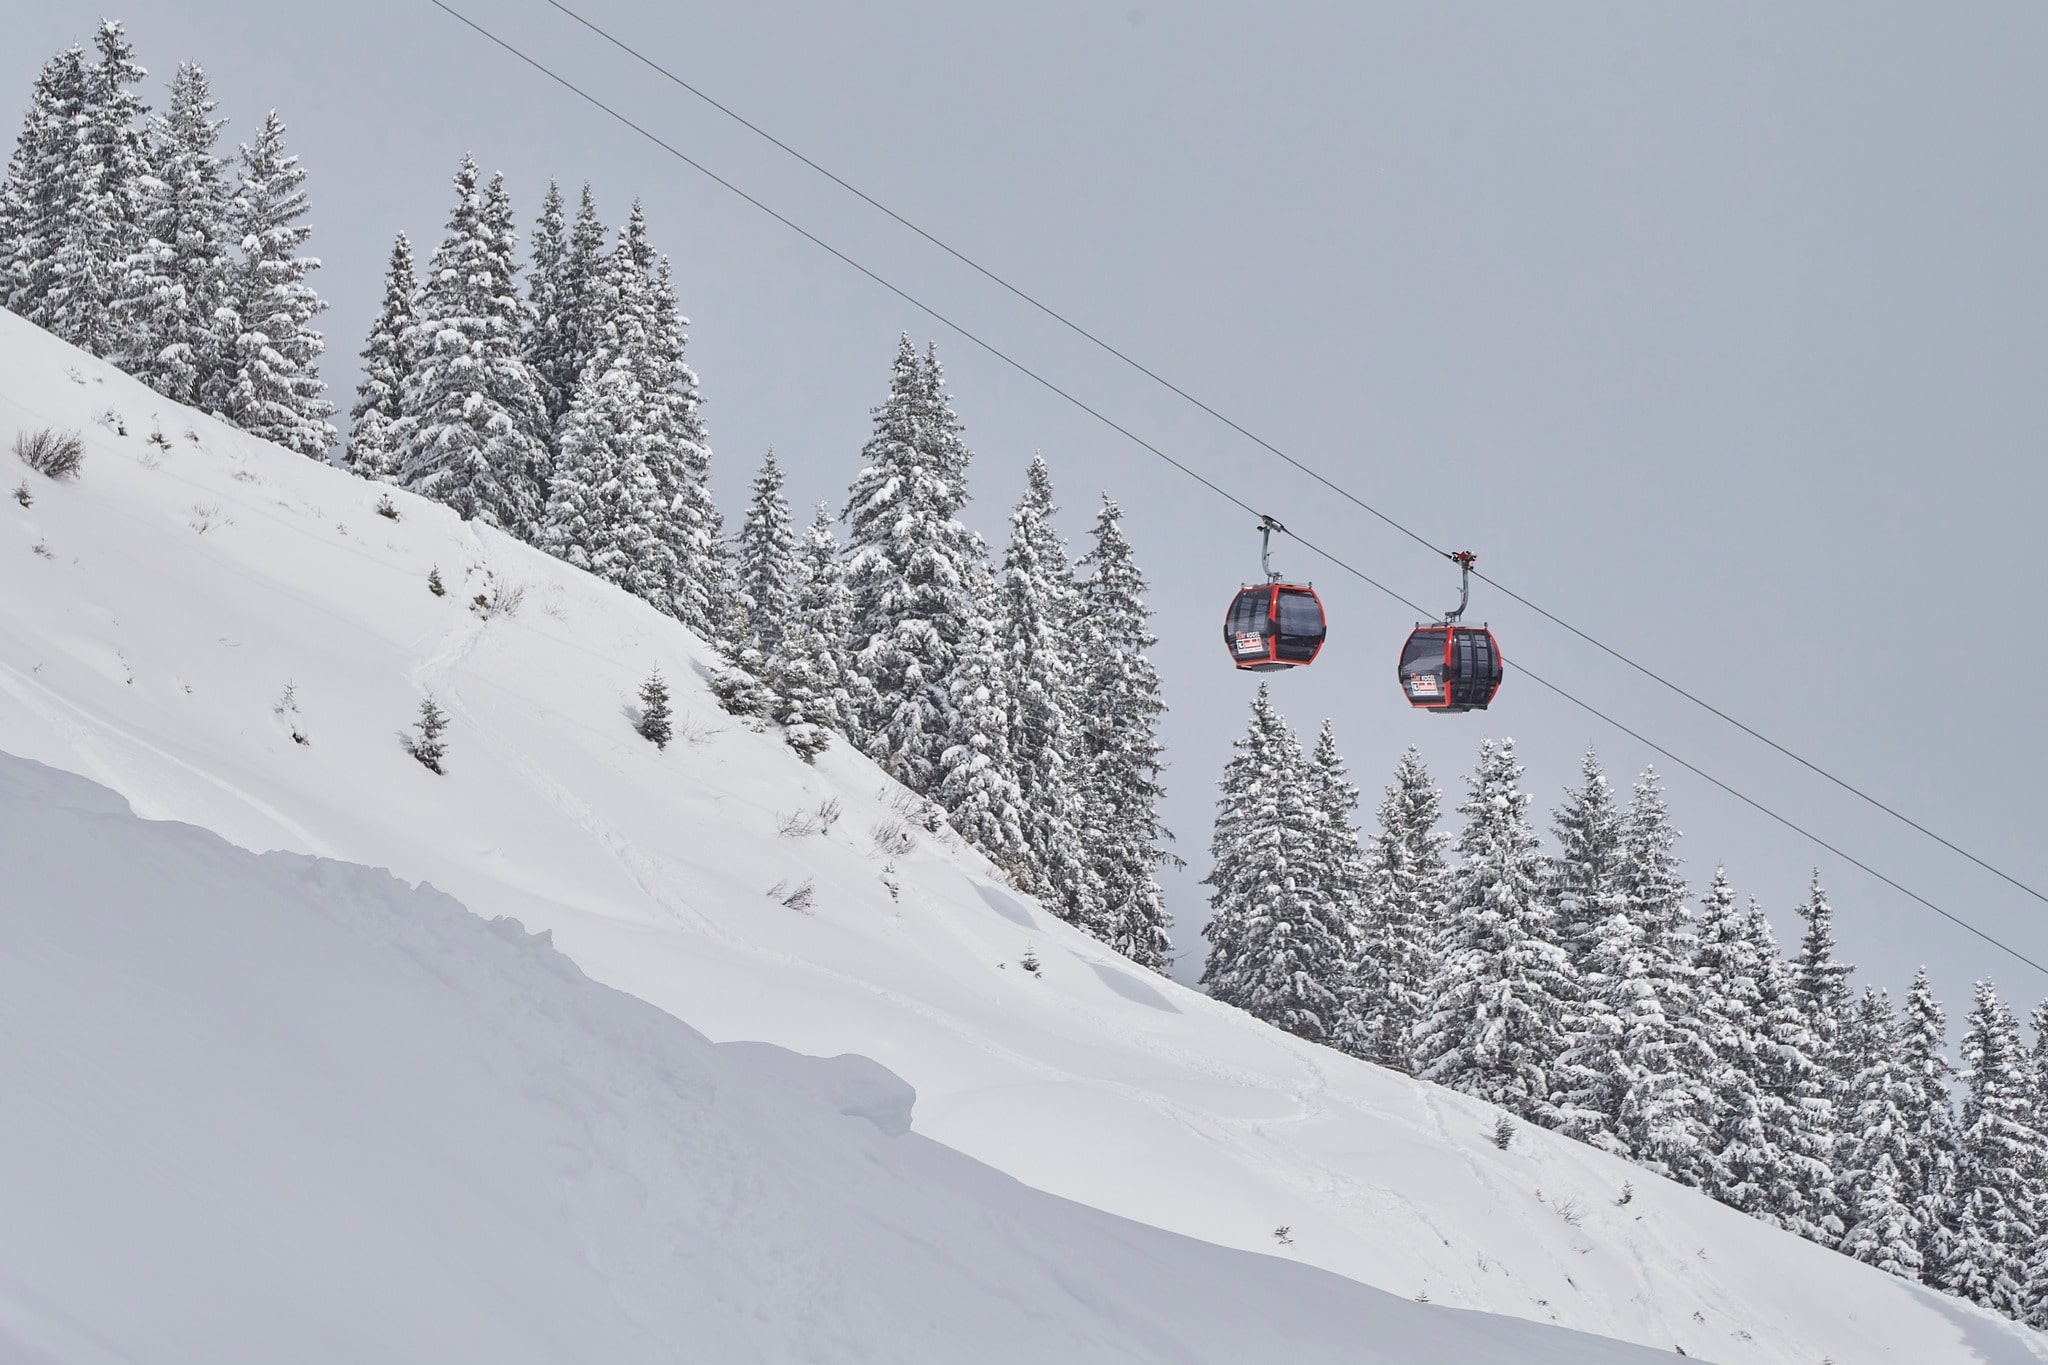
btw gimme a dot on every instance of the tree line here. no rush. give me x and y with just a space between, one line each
130 236
1586 991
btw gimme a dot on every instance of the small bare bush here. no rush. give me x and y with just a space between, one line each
805 823
916 810
112 421
206 516
798 897
891 838
1568 1209
55 454
42 547
22 495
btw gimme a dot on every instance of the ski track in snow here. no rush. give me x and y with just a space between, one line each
1097 1081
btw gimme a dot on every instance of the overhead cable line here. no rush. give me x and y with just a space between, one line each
1207 483
1252 436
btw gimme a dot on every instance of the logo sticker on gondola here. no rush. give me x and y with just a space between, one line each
1422 685
1250 642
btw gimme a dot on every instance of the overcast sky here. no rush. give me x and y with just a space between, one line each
1720 331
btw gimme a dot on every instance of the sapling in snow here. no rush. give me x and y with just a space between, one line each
428 748
434 583
22 495
655 726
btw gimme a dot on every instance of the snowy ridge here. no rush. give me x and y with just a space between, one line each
178 590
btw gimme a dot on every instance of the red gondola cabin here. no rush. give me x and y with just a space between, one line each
1273 626
1450 668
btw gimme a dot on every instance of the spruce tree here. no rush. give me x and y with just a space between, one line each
69 219
569 313
912 569
377 422
1337 860
1663 1116
1820 987
679 452
1799 1088
1928 1182
1274 950
1883 1228
1036 616
1407 886
1594 925
176 281
43 187
1117 707
604 508
544 309
1495 1025
810 671
1997 1220
607 509
472 409
765 562
273 388
1733 959
656 726
977 781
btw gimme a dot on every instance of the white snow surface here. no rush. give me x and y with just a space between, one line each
273 1107
153 612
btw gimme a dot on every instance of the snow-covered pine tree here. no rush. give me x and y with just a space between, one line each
1997 1220
1663 1118
377 422
1732 963
911 569
1037 613
41 190
1274 951
176 282
1117 709
1798 1088
1494 1028
1403 899
808 671
1338 864
679 454
543 311
472 409
604 508
2034 1280
1932 1136
977 781
607 510
81 168
1877 1203
567 289
1595 928
273 389
765 567
809 674
1820 987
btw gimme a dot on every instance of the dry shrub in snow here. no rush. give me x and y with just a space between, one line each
58 454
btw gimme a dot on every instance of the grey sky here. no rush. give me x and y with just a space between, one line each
1718 330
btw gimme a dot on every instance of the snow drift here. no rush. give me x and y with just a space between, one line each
153 613
279 1108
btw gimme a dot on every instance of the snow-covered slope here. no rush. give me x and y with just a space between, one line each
180 586
275 1108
